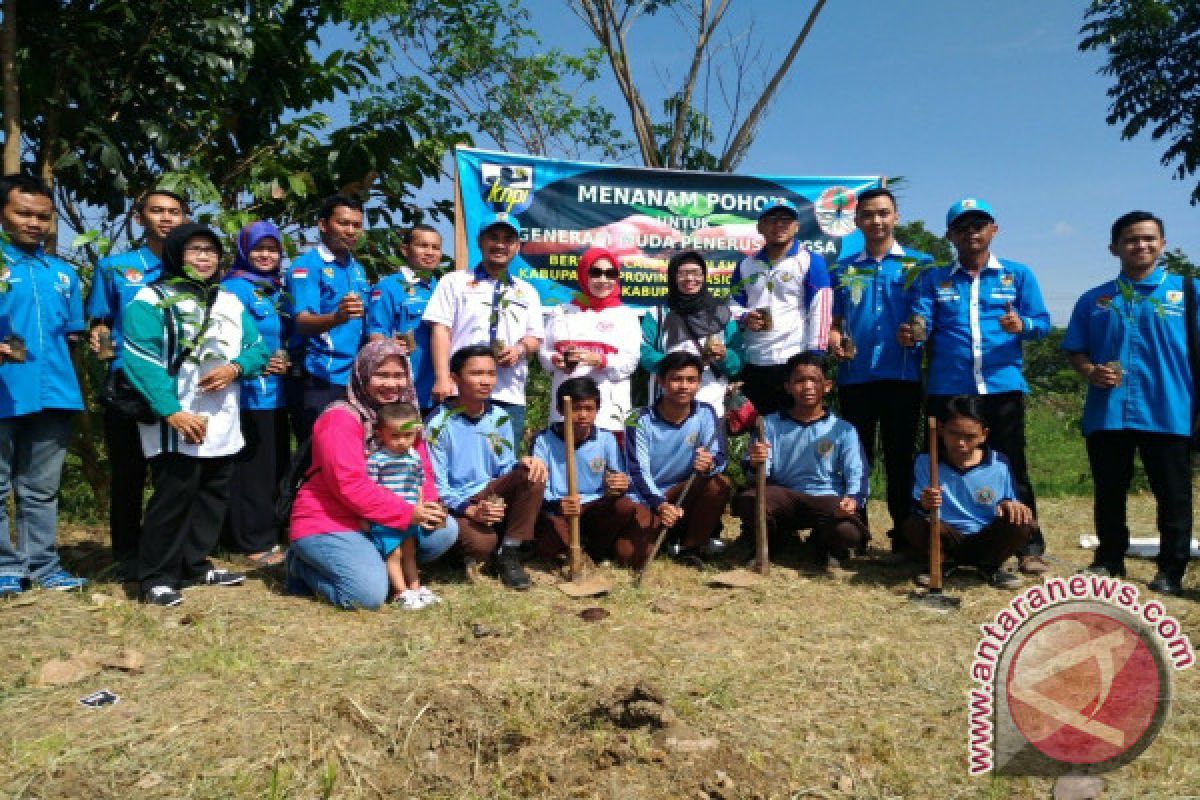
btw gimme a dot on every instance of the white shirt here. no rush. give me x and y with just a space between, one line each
613 332
463 302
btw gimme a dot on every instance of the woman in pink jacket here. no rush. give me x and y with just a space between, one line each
329 554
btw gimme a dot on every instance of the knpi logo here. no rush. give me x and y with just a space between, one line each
506 187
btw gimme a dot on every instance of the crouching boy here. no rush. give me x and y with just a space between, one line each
494 496
982 524
672 440
815 473
612 523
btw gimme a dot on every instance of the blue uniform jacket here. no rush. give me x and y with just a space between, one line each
1140 324
116 280
263 303
317 283
872 298
40 301
397 304
970 352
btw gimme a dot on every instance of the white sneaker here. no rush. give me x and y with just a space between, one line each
410 600
426 594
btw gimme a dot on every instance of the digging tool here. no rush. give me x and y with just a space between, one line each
934 599
749 578
662 533
578 585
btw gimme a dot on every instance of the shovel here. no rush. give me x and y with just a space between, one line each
934 599
579 586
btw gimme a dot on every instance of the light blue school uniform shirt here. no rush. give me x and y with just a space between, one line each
823 457
594 456
468 452
660 453
969 497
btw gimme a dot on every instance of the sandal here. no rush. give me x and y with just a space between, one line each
274 557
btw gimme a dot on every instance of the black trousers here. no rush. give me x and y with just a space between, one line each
1004 413
891 412
307 398
250 526
127 484
1168 463
183 518
763 387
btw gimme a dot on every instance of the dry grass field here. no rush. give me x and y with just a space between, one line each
813 686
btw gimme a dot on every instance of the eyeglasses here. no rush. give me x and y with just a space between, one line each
202 250
971 224
693 274
778 219
600 272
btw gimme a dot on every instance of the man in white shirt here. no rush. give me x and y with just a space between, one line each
486 305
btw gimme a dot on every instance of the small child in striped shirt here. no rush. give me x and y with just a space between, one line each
397 465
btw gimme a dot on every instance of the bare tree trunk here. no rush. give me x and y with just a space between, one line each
12 95
741 140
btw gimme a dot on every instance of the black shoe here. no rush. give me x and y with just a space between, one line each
162 596
1002 578
507 562
216 577
1104 570
1165 584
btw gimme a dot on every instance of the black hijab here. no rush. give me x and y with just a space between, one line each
174 272
701 313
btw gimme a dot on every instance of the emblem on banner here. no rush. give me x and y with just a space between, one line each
507 187
835 210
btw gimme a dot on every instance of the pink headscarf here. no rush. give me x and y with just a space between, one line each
594 303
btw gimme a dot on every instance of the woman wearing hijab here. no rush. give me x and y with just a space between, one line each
595 336
329 553
694 322
255 279
188 345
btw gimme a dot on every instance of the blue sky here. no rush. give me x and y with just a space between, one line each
985 99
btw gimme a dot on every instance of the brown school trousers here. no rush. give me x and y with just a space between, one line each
609 527
989 548
523 499
702 508
788 510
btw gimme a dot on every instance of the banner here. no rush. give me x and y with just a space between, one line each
643 215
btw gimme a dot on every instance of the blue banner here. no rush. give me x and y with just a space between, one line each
644 216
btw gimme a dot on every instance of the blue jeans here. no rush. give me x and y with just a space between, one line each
32 450
516 415
343 568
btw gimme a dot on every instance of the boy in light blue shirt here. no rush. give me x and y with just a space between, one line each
612 523
815 472
672 442
981 521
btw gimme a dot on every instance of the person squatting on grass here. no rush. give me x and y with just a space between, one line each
188 344
815 472
492 494
982 523
115 281
401 465
41 313
978 311
613 524
329 554
596 336
1129 338
675 439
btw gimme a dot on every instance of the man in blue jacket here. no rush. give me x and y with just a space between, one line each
978 312
329 292
41 310
1128 338
114 283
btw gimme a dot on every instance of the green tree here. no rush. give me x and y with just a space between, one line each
476 71
915 235
1152 48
